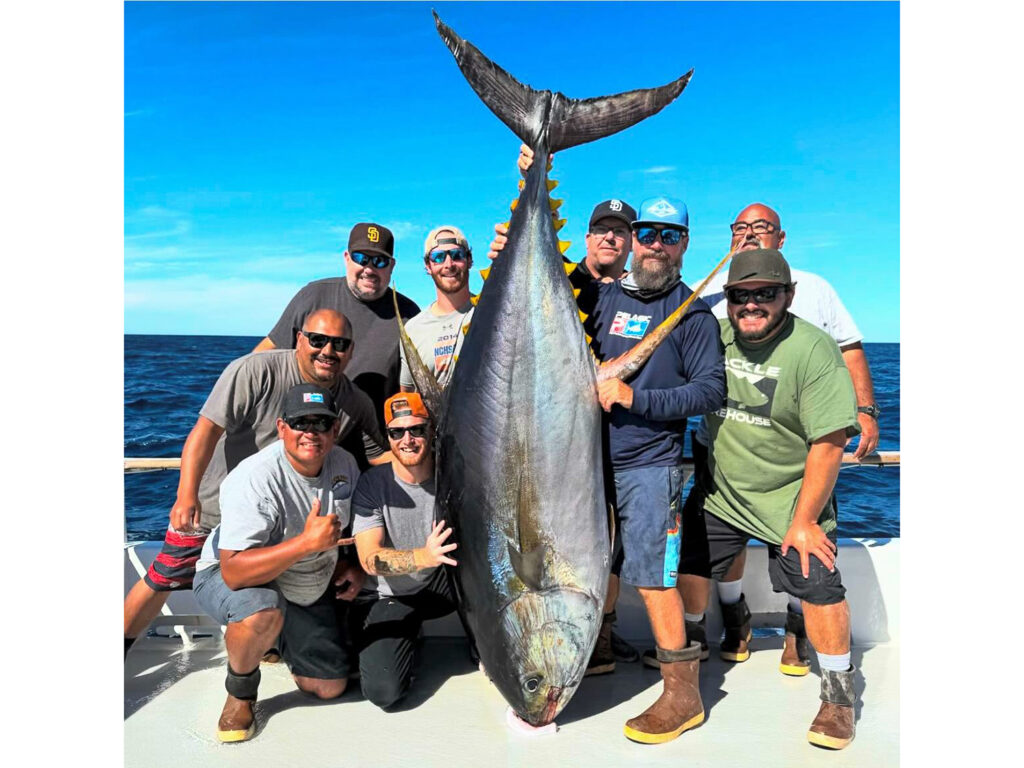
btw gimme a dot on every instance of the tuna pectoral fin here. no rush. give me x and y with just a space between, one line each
628 363
426 383
528 566
551 119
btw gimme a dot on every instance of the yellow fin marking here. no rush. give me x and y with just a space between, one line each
583 317
576 292
554 202
559 223
590 339
514 204
522 183
485 273
551 184
465 329
569 267
563 245
474 299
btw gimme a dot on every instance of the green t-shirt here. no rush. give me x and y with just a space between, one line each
782 395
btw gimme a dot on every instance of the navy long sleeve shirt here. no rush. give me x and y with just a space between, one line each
684 377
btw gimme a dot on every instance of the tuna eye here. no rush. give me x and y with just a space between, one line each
532 684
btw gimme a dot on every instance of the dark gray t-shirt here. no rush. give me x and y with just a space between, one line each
266 502
246 402
375 365
406 512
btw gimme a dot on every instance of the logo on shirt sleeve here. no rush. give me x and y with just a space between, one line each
629 326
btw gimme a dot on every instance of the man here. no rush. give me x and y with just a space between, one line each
237 420
646 419
775 453
267 569
758 226
437 331
401 547
363 297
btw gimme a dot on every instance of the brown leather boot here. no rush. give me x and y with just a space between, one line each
602 660
736 618
679 707
833 728
796 652
237 721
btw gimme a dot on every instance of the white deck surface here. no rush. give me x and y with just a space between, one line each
455 717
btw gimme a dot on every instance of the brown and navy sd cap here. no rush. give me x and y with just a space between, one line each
765 264
367 237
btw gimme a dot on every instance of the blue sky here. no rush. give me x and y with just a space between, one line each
256 135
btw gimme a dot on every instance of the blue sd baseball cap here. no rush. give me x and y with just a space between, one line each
664 210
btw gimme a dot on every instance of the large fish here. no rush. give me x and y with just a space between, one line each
519 429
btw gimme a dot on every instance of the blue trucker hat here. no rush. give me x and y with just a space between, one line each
664 210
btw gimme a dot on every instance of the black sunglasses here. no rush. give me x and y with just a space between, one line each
318 424
458 256
669 235
321 340
397 433
375 260
765 295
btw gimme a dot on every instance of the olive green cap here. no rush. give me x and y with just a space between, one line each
765 264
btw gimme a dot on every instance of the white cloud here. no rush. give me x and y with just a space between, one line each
659 169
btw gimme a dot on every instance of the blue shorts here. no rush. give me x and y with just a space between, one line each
313 641
649 512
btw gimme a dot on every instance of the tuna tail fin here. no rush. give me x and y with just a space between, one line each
552 120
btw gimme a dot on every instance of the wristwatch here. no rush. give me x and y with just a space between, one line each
871 410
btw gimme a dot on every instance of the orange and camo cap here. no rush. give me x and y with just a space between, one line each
404 404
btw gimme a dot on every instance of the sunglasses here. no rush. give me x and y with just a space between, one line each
764 295
375 260
318 424
669 236
321 340
458 256
397 433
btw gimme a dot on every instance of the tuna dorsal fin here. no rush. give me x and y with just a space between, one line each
528 566
543 118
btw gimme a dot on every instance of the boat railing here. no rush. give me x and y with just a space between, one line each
877 459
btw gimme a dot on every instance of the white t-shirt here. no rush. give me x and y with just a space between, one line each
264 502
438 340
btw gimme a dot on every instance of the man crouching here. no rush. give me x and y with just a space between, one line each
402 548
267 569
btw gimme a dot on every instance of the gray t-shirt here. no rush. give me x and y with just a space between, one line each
438 339
406 512
246 402
375 364
264 502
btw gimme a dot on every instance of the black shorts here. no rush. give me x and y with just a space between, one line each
710 544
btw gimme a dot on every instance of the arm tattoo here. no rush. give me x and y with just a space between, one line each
388 562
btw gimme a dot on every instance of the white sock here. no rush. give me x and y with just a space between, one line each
840 663
730 592
696 618
795 605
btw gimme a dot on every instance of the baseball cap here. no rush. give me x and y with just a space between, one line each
765 264
308 400
663 210
404 404
371 238
613 209
445 235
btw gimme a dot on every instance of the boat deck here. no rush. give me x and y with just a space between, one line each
173 693
454 716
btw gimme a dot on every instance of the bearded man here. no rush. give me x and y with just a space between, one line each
646 421
402 548
437 331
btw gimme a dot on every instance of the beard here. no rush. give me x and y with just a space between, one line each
768 330
451 283
651 274
409 459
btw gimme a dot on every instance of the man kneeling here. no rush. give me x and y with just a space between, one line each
401 547
267 569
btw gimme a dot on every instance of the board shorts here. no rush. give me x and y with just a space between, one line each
649 512
710 545
175 566
313 641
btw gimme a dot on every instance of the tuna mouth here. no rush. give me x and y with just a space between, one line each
551 707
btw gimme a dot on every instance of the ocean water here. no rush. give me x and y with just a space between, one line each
167 379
